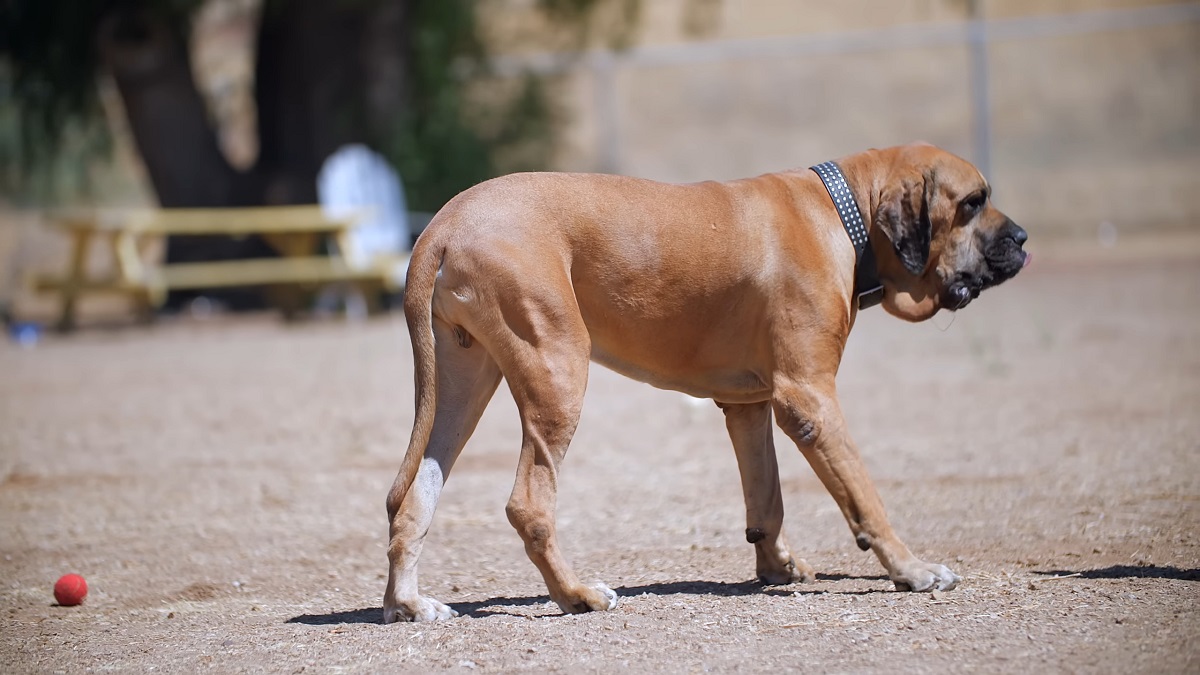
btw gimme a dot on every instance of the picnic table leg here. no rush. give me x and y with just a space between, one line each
373 294
81 241
290 299
133 276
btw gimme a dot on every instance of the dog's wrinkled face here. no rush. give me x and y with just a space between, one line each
949 242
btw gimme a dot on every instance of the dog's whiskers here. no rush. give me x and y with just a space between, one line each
953 315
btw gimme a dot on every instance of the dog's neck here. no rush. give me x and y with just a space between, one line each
868 289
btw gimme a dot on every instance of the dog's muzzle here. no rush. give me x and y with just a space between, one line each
1003 258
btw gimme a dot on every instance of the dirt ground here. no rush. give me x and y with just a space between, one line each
220 483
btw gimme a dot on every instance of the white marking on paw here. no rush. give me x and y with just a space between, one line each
608 592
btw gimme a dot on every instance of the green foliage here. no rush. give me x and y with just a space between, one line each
458 129
46 86
40 159
453 137
51 121
432 146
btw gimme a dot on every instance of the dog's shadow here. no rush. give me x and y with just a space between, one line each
498 605
1129 572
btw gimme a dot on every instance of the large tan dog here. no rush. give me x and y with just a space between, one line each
741 292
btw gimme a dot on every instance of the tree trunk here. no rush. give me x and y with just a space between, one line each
149 61
327 74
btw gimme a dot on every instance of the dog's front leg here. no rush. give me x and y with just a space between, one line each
809 413
750 430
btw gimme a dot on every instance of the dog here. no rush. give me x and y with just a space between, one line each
742 292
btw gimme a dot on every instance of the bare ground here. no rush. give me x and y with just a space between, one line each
220 484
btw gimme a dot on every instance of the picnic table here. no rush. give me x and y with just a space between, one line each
297 233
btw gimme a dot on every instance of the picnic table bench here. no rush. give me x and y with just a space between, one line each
295 232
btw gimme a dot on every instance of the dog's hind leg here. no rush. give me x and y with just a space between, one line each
467 377
547 370
750 430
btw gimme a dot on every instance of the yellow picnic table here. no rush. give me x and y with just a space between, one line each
296 232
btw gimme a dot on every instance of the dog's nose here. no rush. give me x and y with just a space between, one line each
1017 233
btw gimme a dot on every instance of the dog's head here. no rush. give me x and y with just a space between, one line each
938 239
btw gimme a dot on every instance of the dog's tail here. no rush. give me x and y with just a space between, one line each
423 268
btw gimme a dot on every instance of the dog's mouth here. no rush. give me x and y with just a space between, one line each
960 292
1003 262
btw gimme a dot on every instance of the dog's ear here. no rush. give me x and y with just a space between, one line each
903 215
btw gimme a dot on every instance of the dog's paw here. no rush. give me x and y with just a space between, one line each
596 597
922 576
793 572
610 596
421 609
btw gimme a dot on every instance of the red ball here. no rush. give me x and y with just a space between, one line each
70 590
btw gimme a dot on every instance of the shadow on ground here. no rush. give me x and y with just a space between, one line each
1129 572
494 606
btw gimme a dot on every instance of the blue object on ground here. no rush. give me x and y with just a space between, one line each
25 334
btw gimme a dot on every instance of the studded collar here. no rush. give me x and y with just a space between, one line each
868 290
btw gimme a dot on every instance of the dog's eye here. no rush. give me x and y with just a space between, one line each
974 202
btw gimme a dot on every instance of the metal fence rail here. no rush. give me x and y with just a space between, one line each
974 33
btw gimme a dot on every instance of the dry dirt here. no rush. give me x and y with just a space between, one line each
221 485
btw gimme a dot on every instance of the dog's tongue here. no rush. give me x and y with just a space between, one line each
1028 259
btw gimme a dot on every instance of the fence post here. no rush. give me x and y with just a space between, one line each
977 38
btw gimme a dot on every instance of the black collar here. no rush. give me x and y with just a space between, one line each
868 290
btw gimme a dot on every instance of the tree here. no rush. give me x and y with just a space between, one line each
327 73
